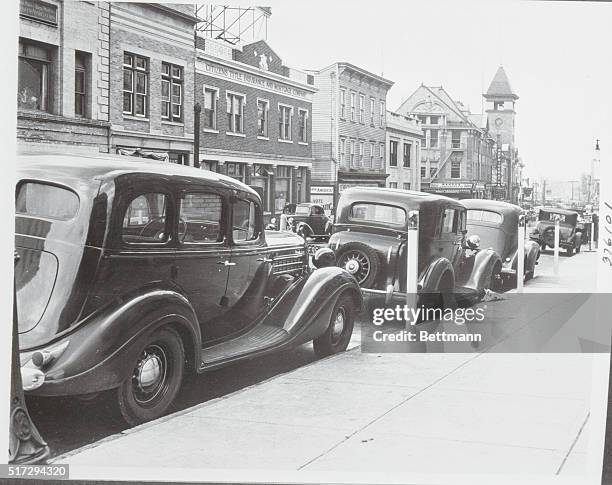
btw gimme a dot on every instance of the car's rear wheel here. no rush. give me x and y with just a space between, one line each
361 261
155 379
338 334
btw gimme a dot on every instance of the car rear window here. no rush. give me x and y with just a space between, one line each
302 210
388 214
484 216
46 201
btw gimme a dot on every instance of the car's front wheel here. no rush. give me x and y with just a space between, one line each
155 379
338 334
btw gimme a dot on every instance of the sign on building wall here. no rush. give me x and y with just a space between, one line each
40 11
235 75
322 195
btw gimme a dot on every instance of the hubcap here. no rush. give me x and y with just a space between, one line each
148 379
338 325
356 263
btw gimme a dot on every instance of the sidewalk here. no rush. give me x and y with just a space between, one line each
381 413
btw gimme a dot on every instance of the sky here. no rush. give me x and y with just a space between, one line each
558 57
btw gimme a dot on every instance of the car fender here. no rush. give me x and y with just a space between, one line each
100 350
429 279
532 251
484 262
305 312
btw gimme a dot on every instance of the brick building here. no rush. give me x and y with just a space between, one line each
63 79
255 119
404 138
349 120
457 150
152 67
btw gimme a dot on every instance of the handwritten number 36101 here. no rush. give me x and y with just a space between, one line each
607 239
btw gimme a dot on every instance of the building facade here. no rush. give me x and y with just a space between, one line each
404 138
151 70
349 130
457 150
256 120
63 78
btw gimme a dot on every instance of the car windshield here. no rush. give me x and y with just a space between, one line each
477 215
378 213
46 201
302 210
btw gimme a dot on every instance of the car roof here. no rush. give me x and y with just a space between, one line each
494 205
559 211
408 198
60 166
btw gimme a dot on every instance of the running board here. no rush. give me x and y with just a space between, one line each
259 338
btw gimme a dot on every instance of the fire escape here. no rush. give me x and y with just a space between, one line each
233 24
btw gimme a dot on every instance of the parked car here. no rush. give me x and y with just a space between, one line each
133 274
307 219
570 237
369 240
496 223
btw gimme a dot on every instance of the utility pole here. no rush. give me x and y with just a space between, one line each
544 192
572 182
196 136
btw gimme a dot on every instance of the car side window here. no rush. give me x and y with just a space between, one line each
244 221
200 218
145 219
448 221
317 211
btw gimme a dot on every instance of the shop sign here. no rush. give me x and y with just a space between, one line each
450 185
321 189
253 80
343 187
40 11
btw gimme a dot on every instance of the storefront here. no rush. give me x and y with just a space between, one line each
454 190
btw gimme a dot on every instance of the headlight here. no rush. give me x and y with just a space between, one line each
42 358
473 241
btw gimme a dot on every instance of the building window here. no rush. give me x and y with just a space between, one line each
407 149
372 113
352 154
262 117
210 108
423 172
382 114
434 120
393 153
424 140
135 84
423 119
372 147
80 84
455 169
343 103
456 139
303 125
235 170
352 106
393 185
33 90
432 172
342 150
284 122
235 111
361 150
406 185
433 138
361 108
172 92
381 154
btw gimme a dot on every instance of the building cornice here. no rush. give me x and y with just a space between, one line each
176 13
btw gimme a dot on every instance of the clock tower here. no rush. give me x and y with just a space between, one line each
500 109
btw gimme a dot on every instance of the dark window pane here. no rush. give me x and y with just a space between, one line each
127 59
127 102
32 76
145 219
200 218
141 83
127 80
140 104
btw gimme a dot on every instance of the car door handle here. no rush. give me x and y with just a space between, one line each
266 260
226 263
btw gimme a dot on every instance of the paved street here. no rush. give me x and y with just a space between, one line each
366 412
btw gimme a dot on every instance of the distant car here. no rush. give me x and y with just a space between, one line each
132 274
496 223
369 239
570 235
309 219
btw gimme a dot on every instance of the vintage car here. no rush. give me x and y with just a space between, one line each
369 239
570 237
496 223
134 273
307 219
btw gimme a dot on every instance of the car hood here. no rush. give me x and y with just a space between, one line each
283 238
